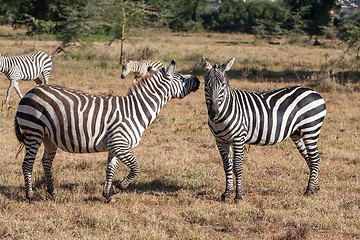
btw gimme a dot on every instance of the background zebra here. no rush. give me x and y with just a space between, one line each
25 67
237 117
81 123
140 68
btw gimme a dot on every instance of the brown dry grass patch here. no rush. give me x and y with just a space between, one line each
177 192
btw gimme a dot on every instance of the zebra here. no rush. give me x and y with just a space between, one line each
25 67
81 123
140 68
236 117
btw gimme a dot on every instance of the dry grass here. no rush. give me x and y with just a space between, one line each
177 192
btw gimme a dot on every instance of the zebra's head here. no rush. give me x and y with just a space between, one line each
126 68
181 84
216 85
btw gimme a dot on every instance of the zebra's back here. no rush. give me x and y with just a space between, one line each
73 120
273 116
28 67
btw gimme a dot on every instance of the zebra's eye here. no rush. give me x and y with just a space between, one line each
222 84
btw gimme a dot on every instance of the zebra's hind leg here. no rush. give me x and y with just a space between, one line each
27 166
307 146
46 75
49 154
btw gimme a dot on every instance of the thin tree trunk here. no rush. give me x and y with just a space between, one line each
122 52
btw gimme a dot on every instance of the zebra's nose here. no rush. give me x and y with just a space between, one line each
197 84
123 76
212 110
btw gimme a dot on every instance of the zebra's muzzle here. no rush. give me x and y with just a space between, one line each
213 109
197 84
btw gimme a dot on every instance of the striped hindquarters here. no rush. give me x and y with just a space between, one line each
275 115
74 121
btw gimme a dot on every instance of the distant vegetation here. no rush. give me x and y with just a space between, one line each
41 16
299 22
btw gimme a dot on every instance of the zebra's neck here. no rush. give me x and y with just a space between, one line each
135 66
149 95
226 105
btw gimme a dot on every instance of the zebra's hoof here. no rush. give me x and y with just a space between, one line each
238 200
225 196
111 201
30 196
310 192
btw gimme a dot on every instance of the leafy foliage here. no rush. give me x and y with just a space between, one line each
349 29
244 16
316 13
264 18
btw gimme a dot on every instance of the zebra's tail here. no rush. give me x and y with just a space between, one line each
19 136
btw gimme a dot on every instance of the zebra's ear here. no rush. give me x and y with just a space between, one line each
226 66
206 64
171 68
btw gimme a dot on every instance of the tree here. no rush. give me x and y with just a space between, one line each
78 21
317 15
186 14
350 33
118 16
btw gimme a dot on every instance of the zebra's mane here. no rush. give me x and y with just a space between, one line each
143 82
131 59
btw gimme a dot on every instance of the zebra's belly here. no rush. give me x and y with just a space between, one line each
258 137
228 131
82 144
84 148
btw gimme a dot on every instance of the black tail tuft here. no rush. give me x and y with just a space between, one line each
18 133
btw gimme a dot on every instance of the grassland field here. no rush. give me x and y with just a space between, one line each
177 193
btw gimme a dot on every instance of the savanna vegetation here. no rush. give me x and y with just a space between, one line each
177 193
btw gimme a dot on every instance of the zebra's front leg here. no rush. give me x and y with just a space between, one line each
238 148
125 156
11 86
49 154
226 156
112 163
27 168
17 89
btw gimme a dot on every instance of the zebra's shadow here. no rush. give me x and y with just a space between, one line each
12 192
156 185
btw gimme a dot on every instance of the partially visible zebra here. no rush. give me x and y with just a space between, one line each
25 67
140 68
82 123
237 117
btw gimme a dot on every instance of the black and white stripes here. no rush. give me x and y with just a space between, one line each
78 122
237 117
140 68
26 67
